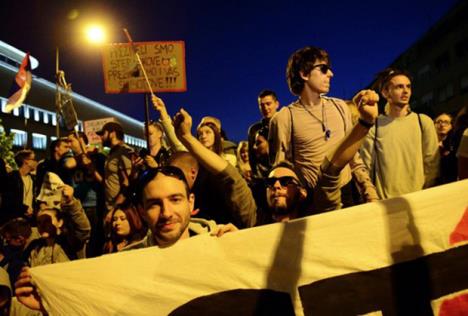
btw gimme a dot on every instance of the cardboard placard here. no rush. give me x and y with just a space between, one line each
164 63
93 126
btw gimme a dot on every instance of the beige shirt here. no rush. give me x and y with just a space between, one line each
308 147
406 156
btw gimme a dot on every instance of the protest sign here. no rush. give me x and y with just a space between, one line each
164 63
92 126
402 256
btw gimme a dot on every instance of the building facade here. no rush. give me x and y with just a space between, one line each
35 122
438 63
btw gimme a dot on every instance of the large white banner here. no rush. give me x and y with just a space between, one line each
406 255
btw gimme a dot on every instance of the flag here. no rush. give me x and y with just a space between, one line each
21 86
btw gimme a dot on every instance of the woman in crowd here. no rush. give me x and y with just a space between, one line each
243 160
261 150
447 148
158 153
127 228
210 136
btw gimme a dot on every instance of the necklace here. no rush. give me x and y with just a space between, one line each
323 121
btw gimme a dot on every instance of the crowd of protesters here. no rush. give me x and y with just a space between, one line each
315 155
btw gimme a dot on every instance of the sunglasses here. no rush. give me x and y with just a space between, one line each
284 181
171 171
324 68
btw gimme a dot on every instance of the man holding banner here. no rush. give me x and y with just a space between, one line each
167 202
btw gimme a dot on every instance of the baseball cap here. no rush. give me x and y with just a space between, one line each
110 127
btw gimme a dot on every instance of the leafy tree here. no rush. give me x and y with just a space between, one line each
6 147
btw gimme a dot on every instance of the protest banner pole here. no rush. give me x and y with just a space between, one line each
127 34
147 102
139 61
57 94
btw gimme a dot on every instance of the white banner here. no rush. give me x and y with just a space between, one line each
401 255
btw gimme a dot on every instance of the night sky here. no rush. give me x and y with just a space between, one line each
234 49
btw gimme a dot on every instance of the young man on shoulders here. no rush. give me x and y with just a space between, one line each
306 130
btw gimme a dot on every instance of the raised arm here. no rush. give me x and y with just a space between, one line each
235 189
166 122
368 110
212 162
80 223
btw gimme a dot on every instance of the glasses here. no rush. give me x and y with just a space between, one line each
324 68
171 171
442 122
284 181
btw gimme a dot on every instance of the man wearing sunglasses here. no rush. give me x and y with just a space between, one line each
306 130
286 194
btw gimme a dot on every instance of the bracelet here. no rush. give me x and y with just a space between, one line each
365 124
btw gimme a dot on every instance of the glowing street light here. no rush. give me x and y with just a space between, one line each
96 34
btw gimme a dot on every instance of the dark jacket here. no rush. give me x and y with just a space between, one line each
12 206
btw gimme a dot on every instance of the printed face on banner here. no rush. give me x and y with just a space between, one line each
163 63
167 209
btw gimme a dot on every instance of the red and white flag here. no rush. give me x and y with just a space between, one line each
21 86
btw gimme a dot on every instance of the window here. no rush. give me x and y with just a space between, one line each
20 139
16 112
424 72
54 119
446 92
427 99
4 102
46 118
52 138
442 62
39 141
36 115
464 83
26 111
461 48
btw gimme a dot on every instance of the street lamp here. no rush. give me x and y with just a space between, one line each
95 34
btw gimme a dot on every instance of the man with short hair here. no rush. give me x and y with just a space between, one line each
118 164
306 130
88 188
18 198
60 162
268 104
401 151
167 206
